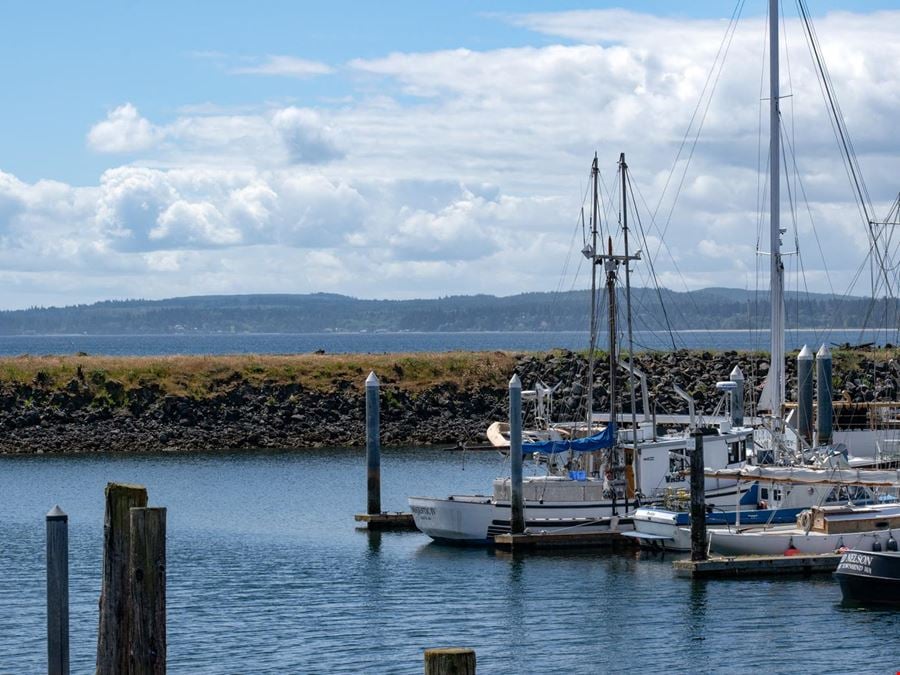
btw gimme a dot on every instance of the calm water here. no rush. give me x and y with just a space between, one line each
339 343
267 574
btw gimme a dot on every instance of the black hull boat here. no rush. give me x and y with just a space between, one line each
870 577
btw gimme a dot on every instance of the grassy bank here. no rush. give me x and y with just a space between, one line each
197 376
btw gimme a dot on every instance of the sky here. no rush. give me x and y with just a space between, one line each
421 149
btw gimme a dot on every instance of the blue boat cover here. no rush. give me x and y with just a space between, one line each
599 441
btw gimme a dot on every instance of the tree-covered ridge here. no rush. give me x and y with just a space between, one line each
711 308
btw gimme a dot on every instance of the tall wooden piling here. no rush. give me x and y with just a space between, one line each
517 505
450 661
57 592
112 636
373 445
698 500
147 593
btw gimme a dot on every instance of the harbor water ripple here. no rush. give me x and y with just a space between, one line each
267 574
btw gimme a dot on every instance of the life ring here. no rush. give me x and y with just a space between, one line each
804 521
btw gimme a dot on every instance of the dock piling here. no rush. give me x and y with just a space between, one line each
517 506
805 394
112 636
824 396
147 597
57 592
698 500
450 661
373 444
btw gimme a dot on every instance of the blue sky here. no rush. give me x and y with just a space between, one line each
158 149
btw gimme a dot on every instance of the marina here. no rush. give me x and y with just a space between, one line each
268 573
392 491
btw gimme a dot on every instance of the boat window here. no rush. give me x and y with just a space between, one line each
764 494
737 452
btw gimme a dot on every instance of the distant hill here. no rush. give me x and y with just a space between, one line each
710 308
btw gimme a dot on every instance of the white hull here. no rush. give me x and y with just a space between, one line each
657 529
476 520
777 541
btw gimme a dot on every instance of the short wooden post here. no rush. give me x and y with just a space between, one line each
147 574
112 636
57 592
373 445
517 504
450 661
698 500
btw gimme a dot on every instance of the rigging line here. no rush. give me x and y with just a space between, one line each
727 40
650 259
687 132
834 105
852 162
802 186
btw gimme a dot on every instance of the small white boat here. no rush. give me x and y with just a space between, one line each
822 529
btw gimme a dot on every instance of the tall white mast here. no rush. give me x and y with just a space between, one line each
776 366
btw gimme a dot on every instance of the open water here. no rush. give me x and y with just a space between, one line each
341 343
267 574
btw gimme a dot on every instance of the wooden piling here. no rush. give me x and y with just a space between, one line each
147 596
517 503
373 445
698 500
57 592
112 636
450 661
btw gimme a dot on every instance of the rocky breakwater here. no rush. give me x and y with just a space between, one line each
89 404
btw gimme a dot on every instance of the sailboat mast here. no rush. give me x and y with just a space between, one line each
624 168
776 366
611 263
595 220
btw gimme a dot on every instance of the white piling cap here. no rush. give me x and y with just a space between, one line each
805 354
515 382
824 352
736 375
56 512
372 380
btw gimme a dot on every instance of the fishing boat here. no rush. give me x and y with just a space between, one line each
600 469
870 577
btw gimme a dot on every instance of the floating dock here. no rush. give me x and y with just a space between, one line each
387 520
610 539
757 565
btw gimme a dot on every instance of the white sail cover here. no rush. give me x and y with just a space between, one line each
798 475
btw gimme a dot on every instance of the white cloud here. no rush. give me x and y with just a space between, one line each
285 66
308 139
460 171
123 130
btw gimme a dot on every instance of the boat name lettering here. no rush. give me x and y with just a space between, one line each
423 510
859 558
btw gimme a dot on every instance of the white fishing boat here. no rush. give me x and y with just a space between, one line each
585 481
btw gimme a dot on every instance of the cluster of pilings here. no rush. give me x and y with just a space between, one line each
823 399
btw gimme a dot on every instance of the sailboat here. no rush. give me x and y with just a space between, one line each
777 442
607 471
